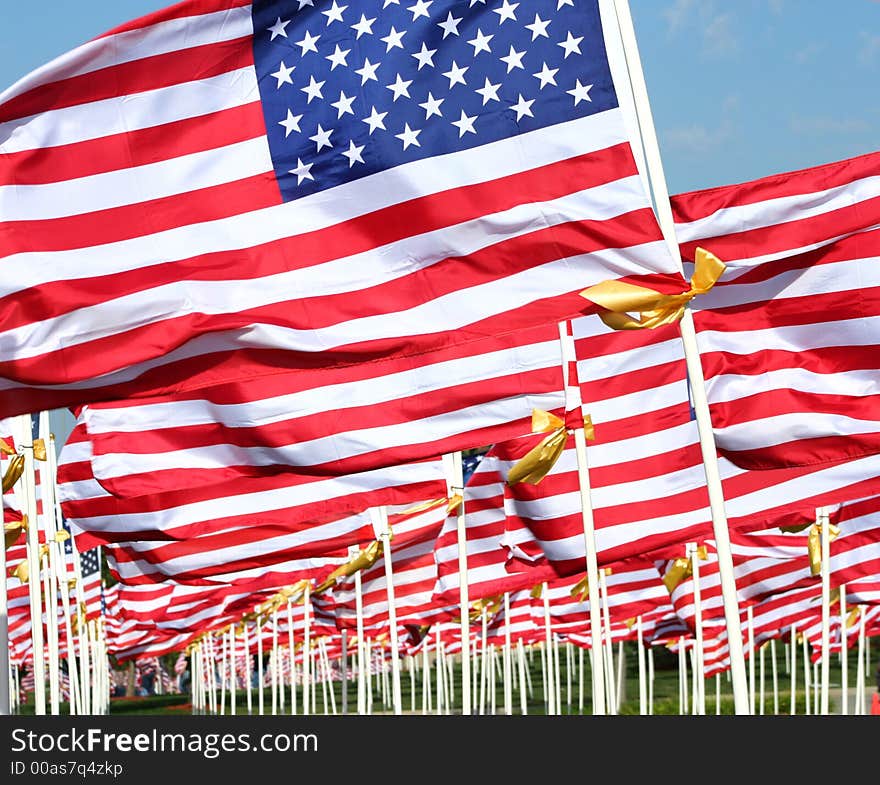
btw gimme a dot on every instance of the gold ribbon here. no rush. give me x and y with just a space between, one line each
13 472
537 591
11 532
5 448
852 618
682 568
451 503
364 559
537 462
814 545
581 589
39 449
619 299
22 572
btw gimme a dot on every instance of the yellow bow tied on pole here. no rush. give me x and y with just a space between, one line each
40 450
451 503
11 532
13 472
537 462
619 299
5 448
681 569
361 561
814 545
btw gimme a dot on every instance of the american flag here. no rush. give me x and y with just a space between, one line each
788 336
341 181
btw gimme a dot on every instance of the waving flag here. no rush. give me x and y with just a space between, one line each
343 182
789 336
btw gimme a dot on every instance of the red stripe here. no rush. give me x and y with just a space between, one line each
784 237
831 359
819 451
180 10
694 205
133 148
123 223
138 76
357 235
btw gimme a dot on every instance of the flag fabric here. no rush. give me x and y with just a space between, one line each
789 336
360 419
282 502
345 183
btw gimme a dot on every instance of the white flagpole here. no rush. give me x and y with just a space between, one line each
580 679
291 641
222 676
650 680
273 661
23 436
484 662
699 680
549 679
692 357
556 673
643 687
426 679
363 673
775 671
807 685
521 665
569 667
438 664
457 486
247 668
751 629
860 665
379 517
508 664
259 633
793 670
761 679
844 676
822 519
233 675
307 650
597 671
608 665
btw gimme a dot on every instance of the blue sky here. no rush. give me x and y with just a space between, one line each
738 90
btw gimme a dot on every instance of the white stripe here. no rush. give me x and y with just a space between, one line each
253 411
783 209
731 387
790 427
127 46
794 338
613 364
113 116
643 402
136 184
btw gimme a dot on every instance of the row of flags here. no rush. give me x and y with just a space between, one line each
281 262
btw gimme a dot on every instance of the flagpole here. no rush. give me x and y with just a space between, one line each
23 436
508 669
643 691
793 669
597 672
751 633
860 665
774 670
233 673
844 676
694 367
379 516
248 662
807 685
307 650
611 699
457 487
822 516
700 695
259 633
361 650
5 660
438 664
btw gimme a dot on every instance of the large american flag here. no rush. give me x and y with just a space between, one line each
343 182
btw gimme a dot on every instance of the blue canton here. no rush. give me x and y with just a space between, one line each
352 88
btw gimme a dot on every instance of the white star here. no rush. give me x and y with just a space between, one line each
506 12
308 43
283 74
354 153
399 88
343 105
278 28
390 2
393 39
464 124
290 123
580 92
489 91
523 107
302 171
560 3
538 27
375 120
571 44
364 27
322 137
425 57
368 71
481 43
455 75
313 90
409 137
420 9
547 76
450 26
474 2
432 106
334 13
304 3
338 57
513 60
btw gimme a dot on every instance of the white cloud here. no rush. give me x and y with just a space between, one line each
870 47
700 138
826 125
677 14
718 37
